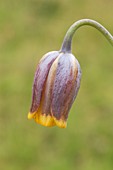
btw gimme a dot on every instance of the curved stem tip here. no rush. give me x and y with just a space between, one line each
66 45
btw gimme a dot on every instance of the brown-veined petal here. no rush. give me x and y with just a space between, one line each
49 88
64 88
40 78
43 115
78 80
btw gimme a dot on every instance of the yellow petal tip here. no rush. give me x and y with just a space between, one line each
45 120
30 115
60 123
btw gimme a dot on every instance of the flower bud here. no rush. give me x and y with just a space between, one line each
56 84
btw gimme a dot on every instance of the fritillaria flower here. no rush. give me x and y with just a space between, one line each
57 81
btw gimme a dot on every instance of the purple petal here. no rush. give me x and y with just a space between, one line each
46 108
40 78
65 87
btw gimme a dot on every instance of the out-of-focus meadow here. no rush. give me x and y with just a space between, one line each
29 29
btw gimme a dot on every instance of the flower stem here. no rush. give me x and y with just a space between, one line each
66 45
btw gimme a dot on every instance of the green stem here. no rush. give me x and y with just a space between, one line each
66 45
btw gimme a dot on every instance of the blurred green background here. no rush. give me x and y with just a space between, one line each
28 30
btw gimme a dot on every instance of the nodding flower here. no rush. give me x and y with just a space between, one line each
56 83
57 80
